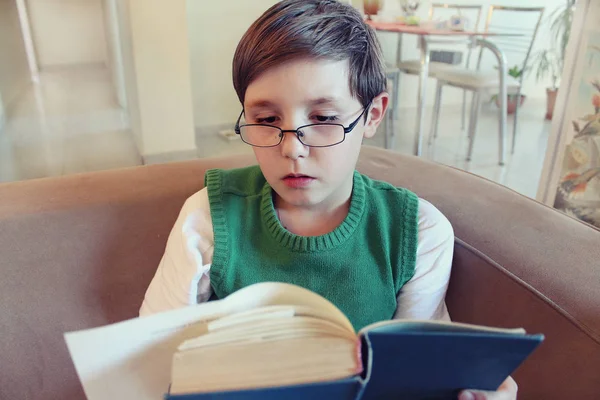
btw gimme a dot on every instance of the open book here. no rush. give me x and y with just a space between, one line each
275 340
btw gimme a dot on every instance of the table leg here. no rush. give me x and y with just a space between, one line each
399 49
424 45
503 108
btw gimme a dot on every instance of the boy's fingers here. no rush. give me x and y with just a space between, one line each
506 391
481 395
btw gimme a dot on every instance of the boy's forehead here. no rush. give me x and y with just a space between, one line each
314 82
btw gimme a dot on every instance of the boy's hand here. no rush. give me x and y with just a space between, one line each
506 391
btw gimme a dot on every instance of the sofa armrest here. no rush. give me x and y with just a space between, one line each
565 366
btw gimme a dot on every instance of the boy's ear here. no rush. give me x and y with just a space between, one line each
376 113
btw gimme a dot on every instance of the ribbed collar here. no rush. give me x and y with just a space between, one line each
314 243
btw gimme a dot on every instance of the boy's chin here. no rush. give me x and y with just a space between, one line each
295 199
309 199
303 198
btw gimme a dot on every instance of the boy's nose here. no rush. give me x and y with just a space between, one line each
292 147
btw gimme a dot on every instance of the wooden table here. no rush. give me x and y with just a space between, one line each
473 38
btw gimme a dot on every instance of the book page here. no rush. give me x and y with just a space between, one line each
132 359
274 312
274 329
318 359
438 326
271 294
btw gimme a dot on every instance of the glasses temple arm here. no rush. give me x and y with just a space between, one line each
237 123
353 124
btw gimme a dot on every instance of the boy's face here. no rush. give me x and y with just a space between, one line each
305 92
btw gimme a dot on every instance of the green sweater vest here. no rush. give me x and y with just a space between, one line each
360 266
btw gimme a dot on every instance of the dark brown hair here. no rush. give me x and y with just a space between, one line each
314 29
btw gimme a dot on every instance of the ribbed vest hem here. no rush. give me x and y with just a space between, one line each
213 181
410 236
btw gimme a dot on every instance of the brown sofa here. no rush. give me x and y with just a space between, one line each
79 251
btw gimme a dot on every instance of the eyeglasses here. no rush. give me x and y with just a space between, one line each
312 135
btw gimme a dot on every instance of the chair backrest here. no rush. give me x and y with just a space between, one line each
472 12
524 21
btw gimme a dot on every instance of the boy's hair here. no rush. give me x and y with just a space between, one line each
312 29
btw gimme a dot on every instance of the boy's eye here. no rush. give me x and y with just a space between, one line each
266 120
325 118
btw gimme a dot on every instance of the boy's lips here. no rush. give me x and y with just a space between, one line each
298 180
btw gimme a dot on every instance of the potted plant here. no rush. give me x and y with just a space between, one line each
511 99
550 62
372 7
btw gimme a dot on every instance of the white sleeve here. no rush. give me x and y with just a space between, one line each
423 296
182 277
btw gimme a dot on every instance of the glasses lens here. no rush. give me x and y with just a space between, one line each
322 135
260 135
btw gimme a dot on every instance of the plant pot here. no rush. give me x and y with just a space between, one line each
371 7
551 95
511 102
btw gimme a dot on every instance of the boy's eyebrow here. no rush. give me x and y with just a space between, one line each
323 100
314 102
261 104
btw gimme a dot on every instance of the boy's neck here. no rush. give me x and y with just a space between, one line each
313 221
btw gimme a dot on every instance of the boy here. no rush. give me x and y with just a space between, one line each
311 80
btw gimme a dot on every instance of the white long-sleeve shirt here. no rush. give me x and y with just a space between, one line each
183 275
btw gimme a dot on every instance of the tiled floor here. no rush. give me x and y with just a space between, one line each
70 123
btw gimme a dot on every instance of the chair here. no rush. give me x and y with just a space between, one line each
479 82
413 67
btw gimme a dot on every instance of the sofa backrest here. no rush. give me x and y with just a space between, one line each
79 252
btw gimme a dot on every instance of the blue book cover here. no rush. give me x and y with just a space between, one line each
438 365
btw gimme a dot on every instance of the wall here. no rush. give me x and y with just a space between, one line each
129 75
68 31
14 70
409 89
157 71
114 51
215 28
2 114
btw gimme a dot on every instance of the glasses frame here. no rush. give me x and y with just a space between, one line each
347 129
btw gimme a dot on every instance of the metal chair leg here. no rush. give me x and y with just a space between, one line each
516 122
433 133
391 111
396 94
387 131
475 111
463 117
392 140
